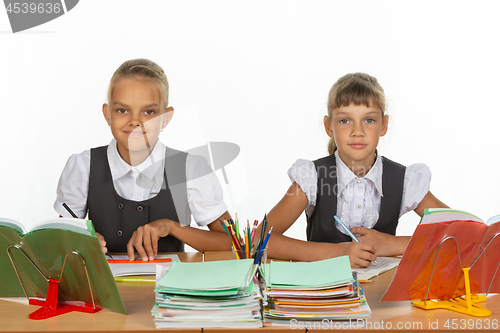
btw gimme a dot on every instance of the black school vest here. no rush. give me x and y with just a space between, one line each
321 224
116 218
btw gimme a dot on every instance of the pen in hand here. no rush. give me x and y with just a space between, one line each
74 215
346 229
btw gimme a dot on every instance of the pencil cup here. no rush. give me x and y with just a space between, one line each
259 256
236 254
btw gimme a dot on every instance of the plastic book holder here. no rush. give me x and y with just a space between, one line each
50 306
464 304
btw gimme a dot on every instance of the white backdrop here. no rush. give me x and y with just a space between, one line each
257 73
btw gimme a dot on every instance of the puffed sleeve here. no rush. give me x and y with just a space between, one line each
205 195
416 186
304 174
73 186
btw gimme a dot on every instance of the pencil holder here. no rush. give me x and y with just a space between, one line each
258 256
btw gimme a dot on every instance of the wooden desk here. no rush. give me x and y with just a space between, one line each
394 315
138 299
217 255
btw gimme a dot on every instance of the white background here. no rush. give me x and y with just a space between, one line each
257 73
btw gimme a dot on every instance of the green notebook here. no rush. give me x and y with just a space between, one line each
46 245
208 278
329 272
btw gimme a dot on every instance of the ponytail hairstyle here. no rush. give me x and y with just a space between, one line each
141 69
356 88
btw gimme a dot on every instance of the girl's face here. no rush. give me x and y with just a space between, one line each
136 118
356 130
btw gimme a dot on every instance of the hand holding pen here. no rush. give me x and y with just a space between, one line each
348 231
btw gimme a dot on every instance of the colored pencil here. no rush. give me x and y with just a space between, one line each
236 244
247 247
263 247
225 228
236 223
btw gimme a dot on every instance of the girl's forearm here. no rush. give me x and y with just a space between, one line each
400 246
199 239
286 248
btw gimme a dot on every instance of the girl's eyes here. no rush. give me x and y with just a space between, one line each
147 112
347 121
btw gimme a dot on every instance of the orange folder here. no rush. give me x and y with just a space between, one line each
413 275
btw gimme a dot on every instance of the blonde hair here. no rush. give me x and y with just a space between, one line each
144 69
356 88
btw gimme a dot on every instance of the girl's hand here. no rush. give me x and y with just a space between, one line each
145 239
360 254
102 242
384 244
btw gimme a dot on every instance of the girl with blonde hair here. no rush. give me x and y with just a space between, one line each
139 193
367 191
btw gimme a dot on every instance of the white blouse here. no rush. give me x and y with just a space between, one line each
140 182
358 199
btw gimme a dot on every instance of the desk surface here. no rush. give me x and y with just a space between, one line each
139 299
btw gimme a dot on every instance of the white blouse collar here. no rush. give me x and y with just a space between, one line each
148 168
346 176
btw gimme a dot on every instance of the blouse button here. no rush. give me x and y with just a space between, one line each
120 206
358 206
140 209
358 181
119 233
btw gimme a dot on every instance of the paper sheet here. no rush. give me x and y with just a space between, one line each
384 264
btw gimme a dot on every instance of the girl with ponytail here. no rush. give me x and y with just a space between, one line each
139 193
367 191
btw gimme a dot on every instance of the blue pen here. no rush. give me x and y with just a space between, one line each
263 247
349 232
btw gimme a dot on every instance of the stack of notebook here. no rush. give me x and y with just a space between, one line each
208 294
312 292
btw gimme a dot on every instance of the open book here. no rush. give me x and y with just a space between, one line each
28 258
463 241
77 225
433 215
